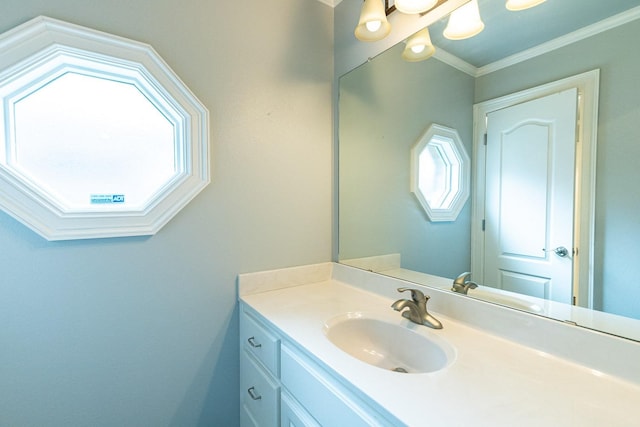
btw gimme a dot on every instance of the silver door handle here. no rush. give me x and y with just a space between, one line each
561 251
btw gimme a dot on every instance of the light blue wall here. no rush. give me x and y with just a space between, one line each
385 106
143 331
617 239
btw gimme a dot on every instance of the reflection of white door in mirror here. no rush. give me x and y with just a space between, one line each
530 157
579 179
98 136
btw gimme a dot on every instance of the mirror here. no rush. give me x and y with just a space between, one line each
386 104
99 138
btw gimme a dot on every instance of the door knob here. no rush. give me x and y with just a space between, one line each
561 251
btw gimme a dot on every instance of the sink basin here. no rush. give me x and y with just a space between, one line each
394 345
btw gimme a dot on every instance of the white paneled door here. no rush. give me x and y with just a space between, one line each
529 206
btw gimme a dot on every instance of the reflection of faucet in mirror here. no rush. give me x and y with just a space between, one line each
462 283
417 309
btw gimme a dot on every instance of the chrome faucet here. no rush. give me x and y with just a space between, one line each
417 309
462 284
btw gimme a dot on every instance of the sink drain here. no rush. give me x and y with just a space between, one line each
399 369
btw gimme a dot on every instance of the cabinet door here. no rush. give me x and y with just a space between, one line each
325 398
259 395
294 415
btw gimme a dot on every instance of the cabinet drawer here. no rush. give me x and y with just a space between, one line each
257 341
259 394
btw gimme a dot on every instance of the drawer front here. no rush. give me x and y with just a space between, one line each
259 395
257 341
324 398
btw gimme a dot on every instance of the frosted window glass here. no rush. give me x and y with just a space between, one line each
440 173
84 138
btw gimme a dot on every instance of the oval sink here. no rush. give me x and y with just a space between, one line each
388 344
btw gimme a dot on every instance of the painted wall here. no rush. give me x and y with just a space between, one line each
385 106
617 242
143 331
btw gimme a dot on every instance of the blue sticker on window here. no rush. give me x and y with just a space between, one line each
101 199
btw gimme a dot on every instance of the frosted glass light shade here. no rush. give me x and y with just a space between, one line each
373 14
464 22
414 6
418 47
516 5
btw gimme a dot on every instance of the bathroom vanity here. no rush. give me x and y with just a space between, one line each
321 345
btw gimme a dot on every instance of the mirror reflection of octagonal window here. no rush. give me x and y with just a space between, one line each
440 170
99 138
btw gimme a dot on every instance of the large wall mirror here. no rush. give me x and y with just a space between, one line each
386 104
99 137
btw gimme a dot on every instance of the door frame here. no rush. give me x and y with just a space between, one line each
585 175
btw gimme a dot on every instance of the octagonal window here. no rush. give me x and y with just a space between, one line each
440 173
99 137
87 141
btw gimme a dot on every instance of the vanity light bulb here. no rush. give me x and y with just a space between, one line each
418 47
373 26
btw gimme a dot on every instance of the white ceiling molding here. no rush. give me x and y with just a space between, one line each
581 34
332 3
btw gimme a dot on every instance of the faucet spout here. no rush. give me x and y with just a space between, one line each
413 311
416 309
462 284
462 278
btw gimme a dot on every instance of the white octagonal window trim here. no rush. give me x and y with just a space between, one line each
99 138
440 173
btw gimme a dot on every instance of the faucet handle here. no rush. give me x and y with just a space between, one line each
416 295
462 279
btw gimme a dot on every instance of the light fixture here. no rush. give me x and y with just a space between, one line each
464 22
418 47
516 5
414 6
373 24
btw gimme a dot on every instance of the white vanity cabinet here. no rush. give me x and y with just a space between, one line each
282 386
259 374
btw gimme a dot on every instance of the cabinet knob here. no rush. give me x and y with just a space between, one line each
253 394
252 342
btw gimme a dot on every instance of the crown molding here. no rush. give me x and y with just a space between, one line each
581 34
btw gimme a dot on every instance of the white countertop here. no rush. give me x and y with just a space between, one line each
390 265
492 381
